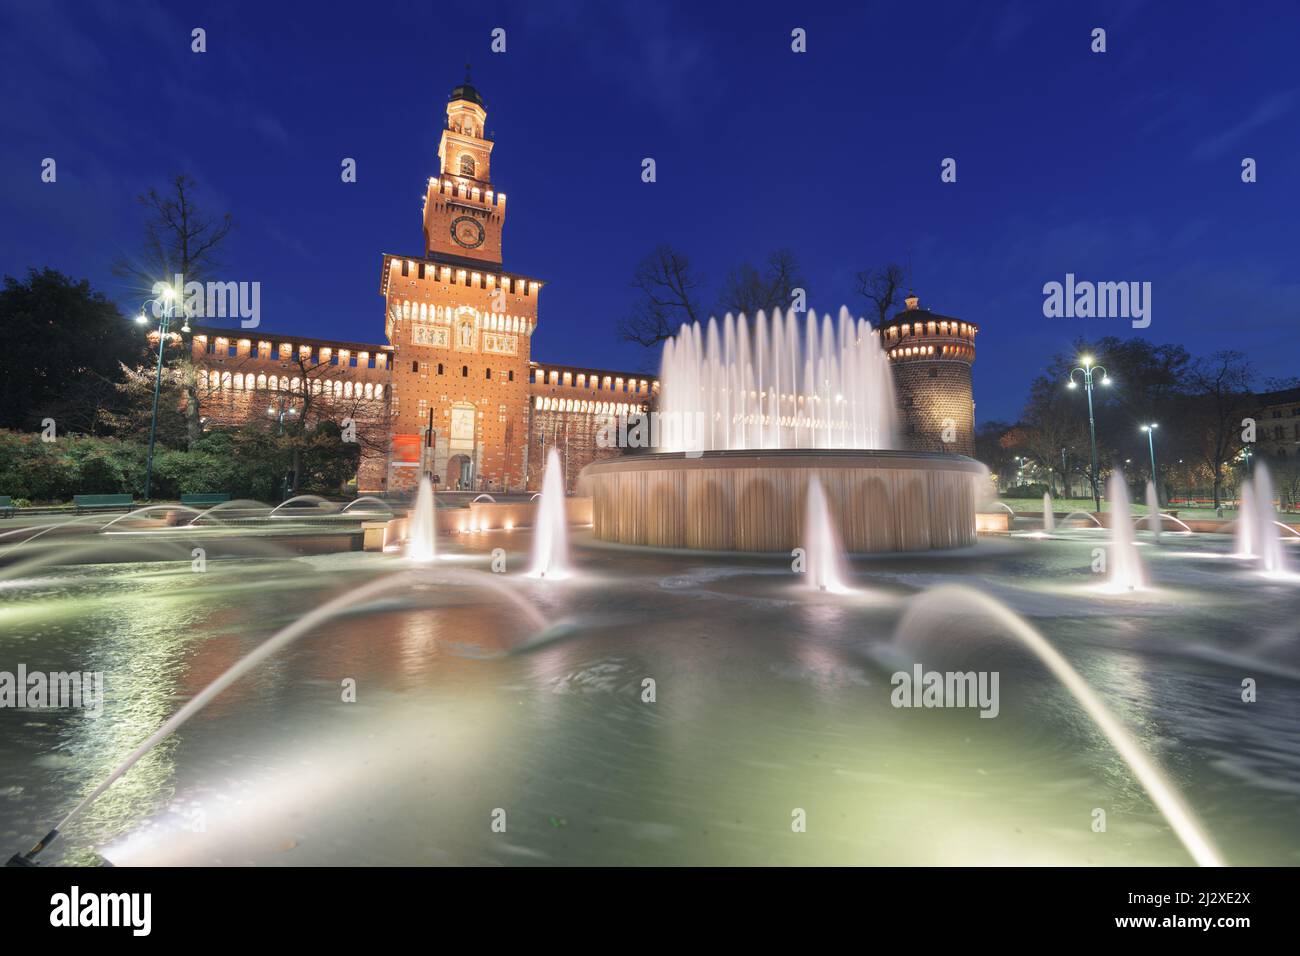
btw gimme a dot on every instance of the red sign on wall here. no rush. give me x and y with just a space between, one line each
406 448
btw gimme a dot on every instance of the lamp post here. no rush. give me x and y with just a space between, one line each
1088 369
1150 429
168 302
280 413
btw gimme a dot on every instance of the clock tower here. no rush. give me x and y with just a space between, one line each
459 325
463 215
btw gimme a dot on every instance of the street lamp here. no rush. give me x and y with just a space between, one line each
168 309
1087 368
1150 429
285 410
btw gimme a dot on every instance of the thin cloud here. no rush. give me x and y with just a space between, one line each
1275 107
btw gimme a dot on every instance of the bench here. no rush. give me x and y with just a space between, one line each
103 502
7 508
206 498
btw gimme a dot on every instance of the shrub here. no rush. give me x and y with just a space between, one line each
55 471
1032 490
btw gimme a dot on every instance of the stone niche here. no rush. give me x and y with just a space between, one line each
754 500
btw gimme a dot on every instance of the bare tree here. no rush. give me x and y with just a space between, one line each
1053 427
1221 399
748 291
883 286
318 396
179 239
668 298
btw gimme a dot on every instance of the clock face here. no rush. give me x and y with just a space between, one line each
467 232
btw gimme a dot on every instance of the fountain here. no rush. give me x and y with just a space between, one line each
1256 537
826 569
301 502
944 609
369 499
1083 514
349 601
1049 519
776 386
743 408
1126 570
1153 510
550 527
422 539
1245 536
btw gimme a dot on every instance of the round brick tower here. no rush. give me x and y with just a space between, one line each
931 356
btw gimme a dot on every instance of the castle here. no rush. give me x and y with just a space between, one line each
455 392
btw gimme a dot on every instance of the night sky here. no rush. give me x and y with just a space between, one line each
1119 166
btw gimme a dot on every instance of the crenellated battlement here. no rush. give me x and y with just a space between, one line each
917 333
931 355
545 379
419 271
450 189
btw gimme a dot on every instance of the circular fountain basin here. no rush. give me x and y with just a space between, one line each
753 500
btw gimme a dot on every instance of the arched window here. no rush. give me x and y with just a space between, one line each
467 165
464 371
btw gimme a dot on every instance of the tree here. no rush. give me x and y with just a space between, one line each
1148 382
64 347
748 290
313 436
883 286
990 447
1051 427
133 412
1221 398
180 238
668 298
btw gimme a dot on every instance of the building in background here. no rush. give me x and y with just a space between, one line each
454 391
931 356
1278 431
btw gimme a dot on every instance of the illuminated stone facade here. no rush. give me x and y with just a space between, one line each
455 392
931 356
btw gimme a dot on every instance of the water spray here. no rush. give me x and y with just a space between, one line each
273 645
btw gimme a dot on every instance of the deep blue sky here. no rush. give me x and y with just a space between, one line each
1122 166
